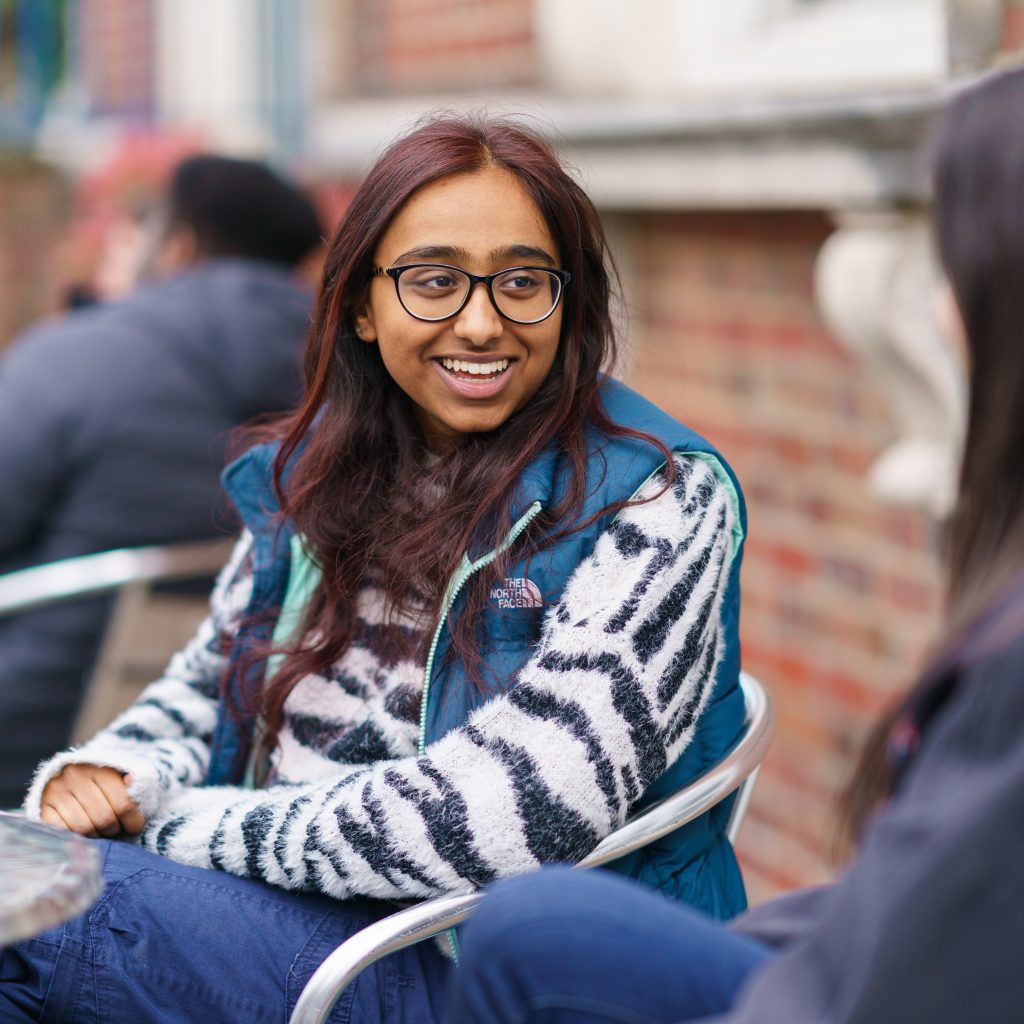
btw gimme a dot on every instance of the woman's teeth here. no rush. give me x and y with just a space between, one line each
476 369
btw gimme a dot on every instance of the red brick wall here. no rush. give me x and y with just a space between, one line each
1013 26
441 45
34 204
840 592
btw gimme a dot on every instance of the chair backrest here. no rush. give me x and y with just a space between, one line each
107 571
147 626
736 771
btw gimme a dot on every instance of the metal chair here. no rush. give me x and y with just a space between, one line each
737 771
106 571
146 626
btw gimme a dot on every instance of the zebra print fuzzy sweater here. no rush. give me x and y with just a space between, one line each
610 697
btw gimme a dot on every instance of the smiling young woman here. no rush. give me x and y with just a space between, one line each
486 604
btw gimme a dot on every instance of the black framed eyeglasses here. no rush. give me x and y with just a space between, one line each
436 291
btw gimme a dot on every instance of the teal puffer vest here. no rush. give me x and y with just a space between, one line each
695 864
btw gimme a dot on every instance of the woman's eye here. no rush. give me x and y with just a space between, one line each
519 282
433 281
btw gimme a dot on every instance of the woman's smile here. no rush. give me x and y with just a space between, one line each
475 378
460 367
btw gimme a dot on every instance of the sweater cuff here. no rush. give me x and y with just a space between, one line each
144 788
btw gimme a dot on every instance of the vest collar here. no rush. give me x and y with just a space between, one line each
249 479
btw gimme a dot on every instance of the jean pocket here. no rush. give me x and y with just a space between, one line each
41 978
331 933
180 946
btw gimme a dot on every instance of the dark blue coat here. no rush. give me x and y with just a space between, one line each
114 422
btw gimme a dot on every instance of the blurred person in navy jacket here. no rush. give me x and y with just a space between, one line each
115 418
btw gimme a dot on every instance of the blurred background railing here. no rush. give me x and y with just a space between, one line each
759 166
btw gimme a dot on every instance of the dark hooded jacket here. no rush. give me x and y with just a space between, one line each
925 927
115 422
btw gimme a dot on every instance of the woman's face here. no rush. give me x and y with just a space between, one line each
481 222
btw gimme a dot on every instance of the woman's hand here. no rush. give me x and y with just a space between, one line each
92 801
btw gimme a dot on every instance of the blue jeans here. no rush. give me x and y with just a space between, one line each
579 947
167 943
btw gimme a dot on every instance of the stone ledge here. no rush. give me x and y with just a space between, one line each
788 153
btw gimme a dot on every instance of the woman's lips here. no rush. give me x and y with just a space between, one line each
468 385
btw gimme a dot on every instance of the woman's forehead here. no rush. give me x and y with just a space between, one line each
484 215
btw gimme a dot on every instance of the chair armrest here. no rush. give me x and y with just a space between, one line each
704 792
432 917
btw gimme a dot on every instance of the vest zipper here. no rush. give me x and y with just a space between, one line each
462 574
458 581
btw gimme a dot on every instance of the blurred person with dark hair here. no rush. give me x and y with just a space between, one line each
924 927
115 418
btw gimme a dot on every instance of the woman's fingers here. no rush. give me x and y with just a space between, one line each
90 800
51 816
114 788
94 800
73 814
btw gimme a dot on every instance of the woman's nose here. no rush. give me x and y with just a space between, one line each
478 322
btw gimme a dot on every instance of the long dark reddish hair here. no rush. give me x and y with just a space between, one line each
979 220
359 487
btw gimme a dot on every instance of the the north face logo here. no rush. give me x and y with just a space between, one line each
518 592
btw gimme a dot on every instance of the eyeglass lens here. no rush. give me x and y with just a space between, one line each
522 295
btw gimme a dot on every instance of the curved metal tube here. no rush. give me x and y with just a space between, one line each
430 918
86 575
702 793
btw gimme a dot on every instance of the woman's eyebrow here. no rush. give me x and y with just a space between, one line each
459 256
448 253
522 252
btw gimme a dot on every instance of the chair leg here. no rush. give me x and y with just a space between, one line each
739 807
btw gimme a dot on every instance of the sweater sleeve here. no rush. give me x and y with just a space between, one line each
611 696
162 740
925 927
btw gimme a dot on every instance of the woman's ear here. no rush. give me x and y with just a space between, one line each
365 328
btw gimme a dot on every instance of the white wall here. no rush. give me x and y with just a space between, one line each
737 47
209 70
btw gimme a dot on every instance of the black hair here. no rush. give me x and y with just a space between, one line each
979 188
979 222
242 208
